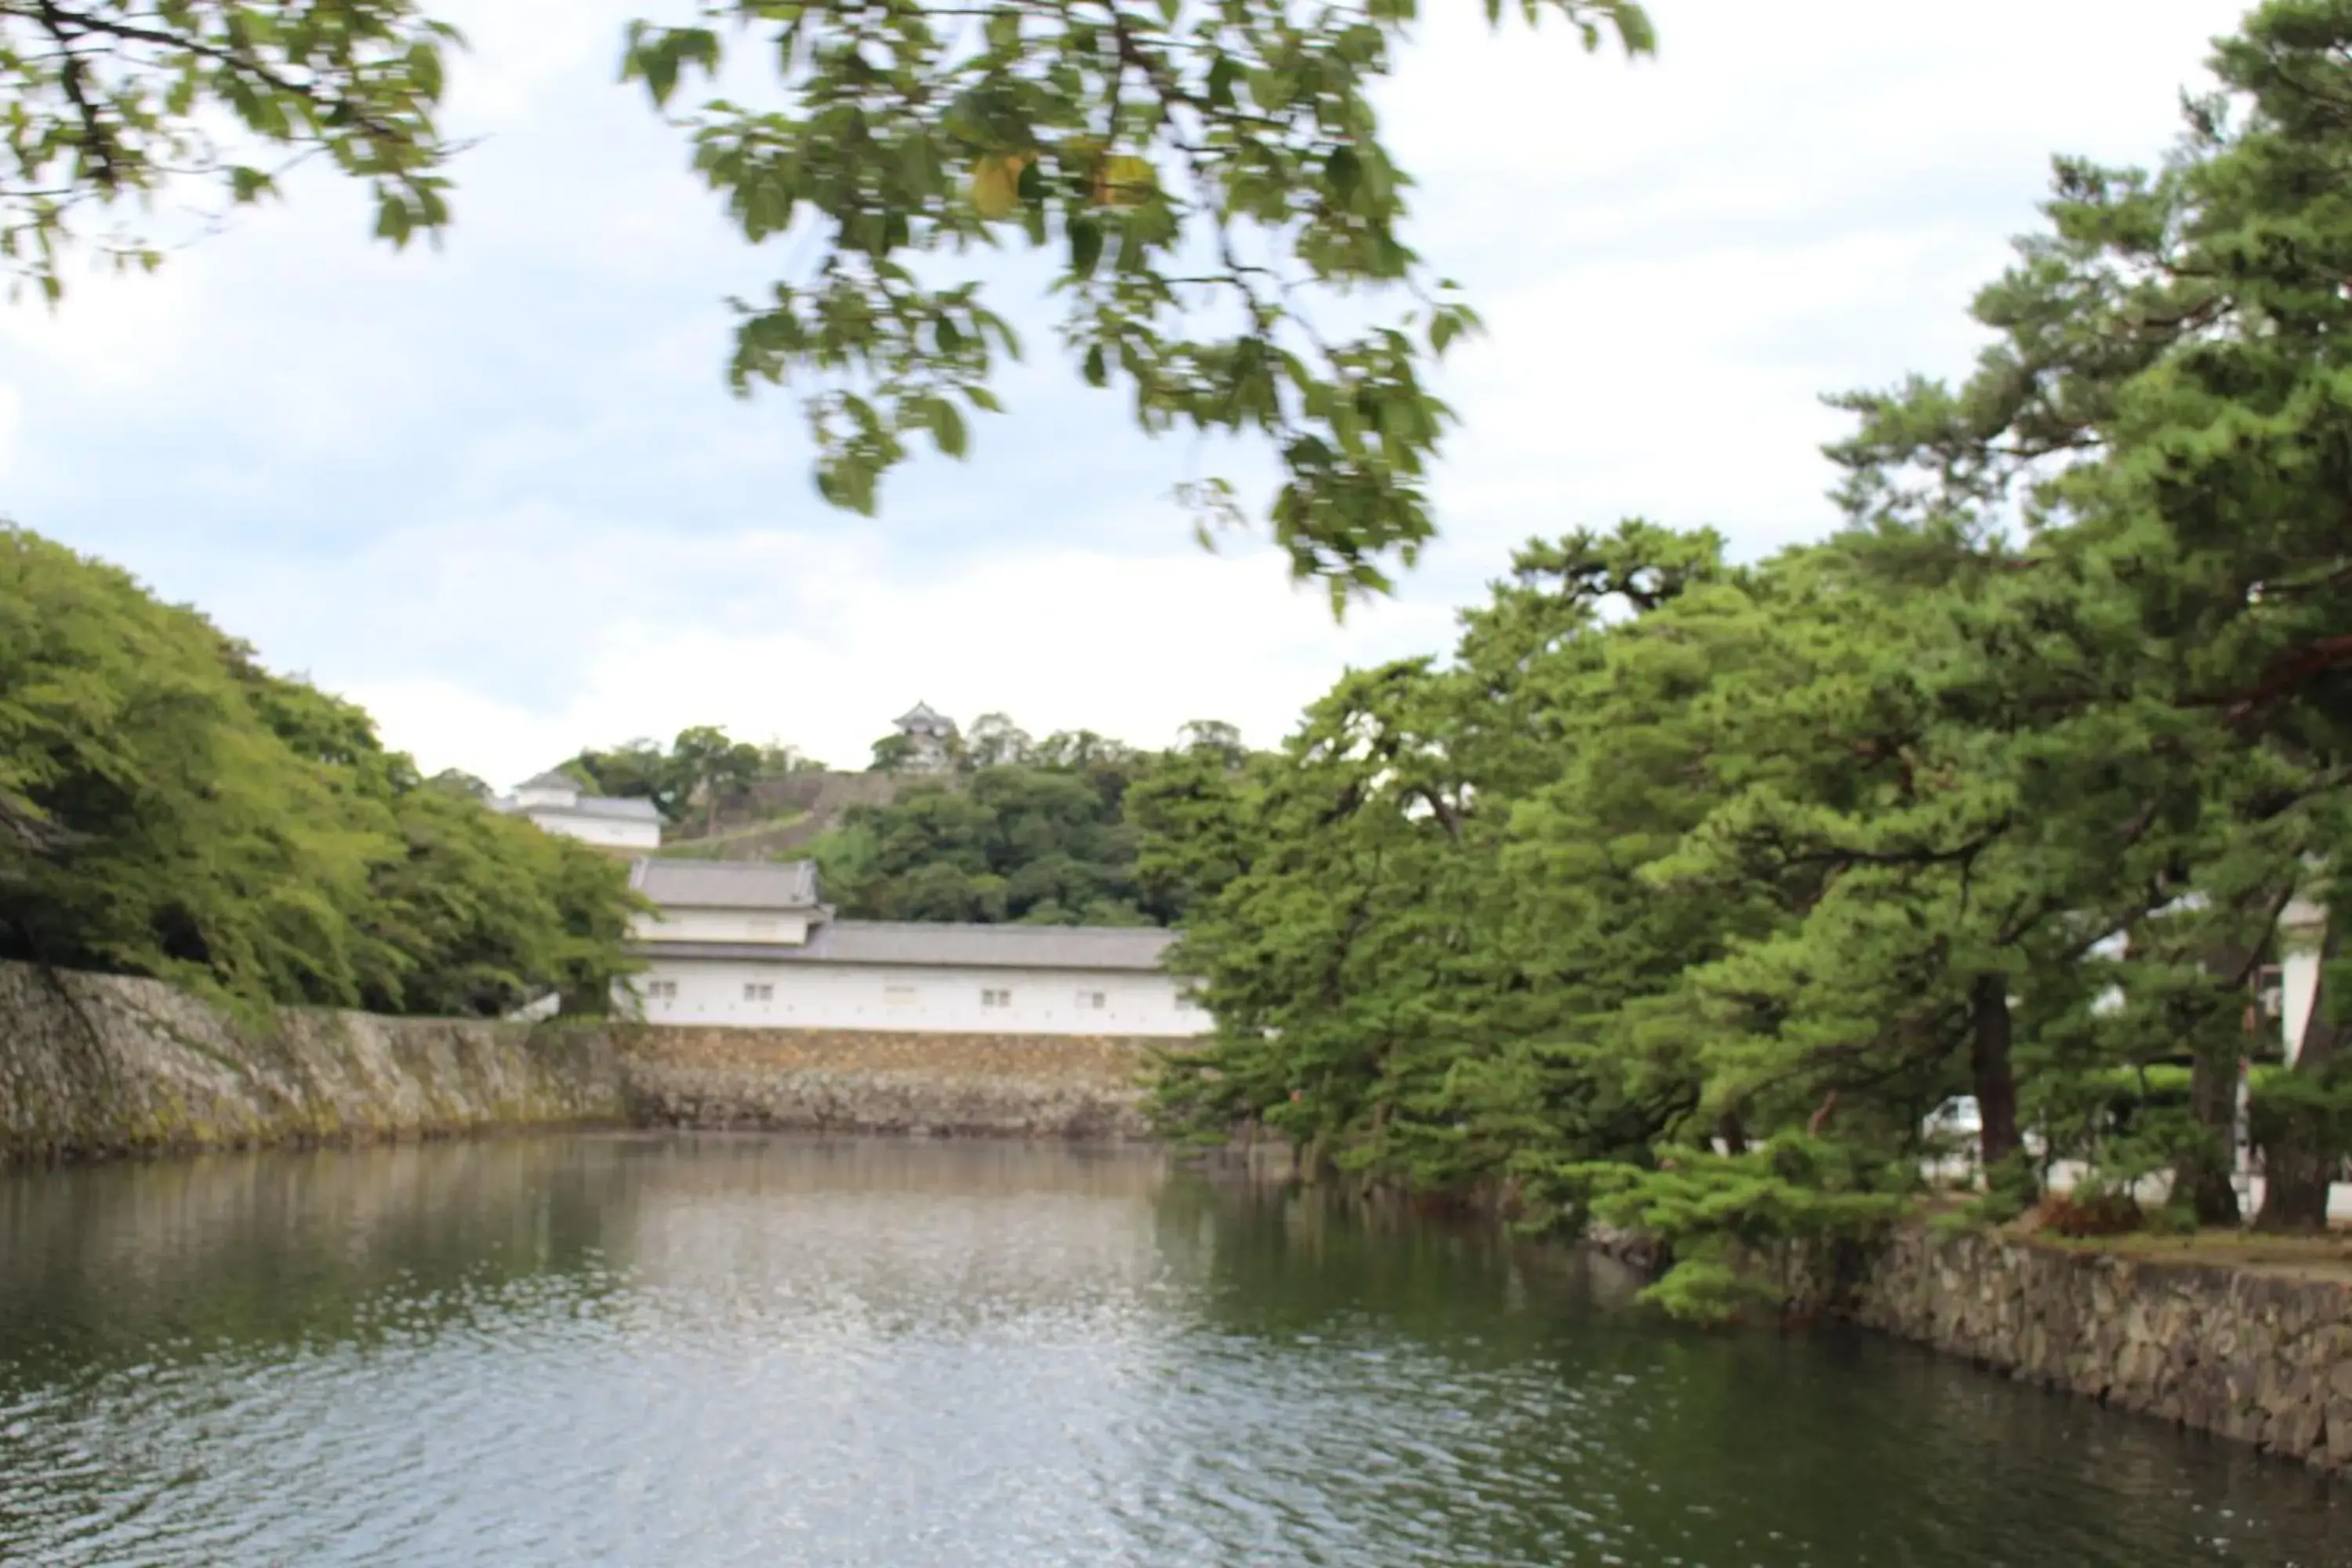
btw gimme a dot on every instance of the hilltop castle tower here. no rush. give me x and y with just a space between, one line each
931 739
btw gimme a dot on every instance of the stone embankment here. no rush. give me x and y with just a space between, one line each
94 1066
2259 1353
100 1065
1035 1086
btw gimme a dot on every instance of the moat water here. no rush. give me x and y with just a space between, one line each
656 1351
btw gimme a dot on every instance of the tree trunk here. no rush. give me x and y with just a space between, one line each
2202 1175
709 807
1734 1133
2302 1155
1990 1068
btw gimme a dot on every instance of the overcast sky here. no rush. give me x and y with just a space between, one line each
500 494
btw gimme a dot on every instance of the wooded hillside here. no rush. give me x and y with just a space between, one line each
169 807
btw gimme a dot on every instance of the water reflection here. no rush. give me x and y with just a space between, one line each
689 1351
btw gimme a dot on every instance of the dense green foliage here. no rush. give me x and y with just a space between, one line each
703 767
994 741
1034 831
168 807
108 103
1742 869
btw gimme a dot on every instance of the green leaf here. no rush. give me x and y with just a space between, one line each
1344 170
1224 72
424 67
1086 245
1634 29
947 427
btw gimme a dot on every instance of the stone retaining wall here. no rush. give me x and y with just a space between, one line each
1036 1086
2260 1354
96 1064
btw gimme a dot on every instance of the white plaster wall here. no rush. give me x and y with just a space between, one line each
2300 931
817 996
617 833
785 927
2298 988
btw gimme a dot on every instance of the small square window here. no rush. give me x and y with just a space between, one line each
898 995
1091 1001
755 993
996 999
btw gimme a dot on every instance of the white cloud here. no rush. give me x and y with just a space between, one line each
803 639
1676 258
499 493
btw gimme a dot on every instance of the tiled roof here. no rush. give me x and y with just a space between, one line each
625 808
727 884
940 945
920 717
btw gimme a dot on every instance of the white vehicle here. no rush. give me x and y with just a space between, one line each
1958 1120
1951 1133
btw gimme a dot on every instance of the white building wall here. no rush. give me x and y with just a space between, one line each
2298 988
2301 929
611 832
811 995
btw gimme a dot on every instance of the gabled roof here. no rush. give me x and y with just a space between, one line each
920 717
727 884
923 944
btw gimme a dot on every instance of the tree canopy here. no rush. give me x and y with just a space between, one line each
107 102
704 766
1036 831
169 807
1222 224
1686 889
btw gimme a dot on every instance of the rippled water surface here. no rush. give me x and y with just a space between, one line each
640 1350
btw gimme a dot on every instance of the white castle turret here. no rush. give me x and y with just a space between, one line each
931 739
